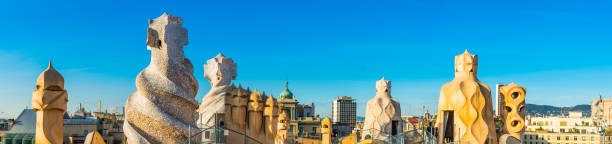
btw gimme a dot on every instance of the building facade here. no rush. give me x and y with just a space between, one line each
563 138
574 123
344 111
499 99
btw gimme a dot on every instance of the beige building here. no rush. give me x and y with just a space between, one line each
563 138
572 129
309 127
574 123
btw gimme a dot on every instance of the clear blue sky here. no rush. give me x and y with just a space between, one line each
559 50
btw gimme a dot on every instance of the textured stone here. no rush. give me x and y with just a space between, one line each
470 102
220 71
271 117
240 110
255 117
513 116
49 102
382 113
508 139
283 129
163 109
94 138
326 131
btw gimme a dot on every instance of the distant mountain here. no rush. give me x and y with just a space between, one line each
547 110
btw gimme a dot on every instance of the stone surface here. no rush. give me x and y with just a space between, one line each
94 138
326 131
271 117
513 116
283 129
163 109
240 110
470 102
382 113
255 118
49 102
508 139
220 71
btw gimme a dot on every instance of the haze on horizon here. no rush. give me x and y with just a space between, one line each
560 51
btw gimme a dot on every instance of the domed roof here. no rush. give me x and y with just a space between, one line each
286 94
50 77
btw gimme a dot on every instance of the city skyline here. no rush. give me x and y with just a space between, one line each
325 50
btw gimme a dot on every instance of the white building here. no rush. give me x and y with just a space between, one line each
498 100
574 123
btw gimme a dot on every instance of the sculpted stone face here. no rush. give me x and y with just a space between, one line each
167 37
220 70
514 114
466 65
49 102
383 88
240 107
163 109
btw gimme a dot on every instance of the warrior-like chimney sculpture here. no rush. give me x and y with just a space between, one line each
49 102
465 109
383 114
239 110
220 71
163 109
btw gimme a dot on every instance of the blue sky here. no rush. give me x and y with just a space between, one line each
559 50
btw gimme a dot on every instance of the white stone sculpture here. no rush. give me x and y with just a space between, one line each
383 114
163 109
220 71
